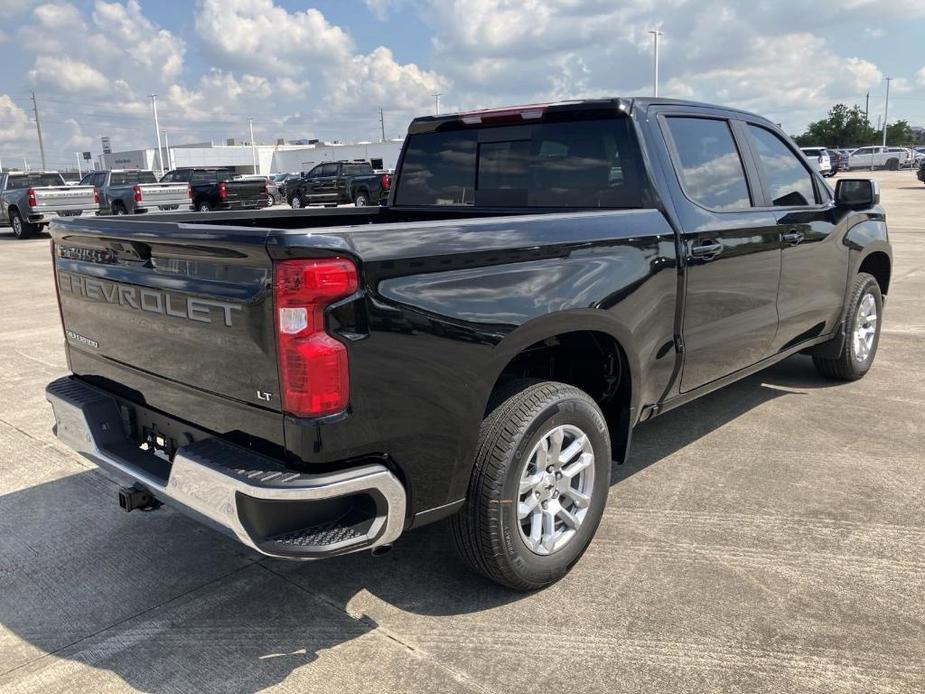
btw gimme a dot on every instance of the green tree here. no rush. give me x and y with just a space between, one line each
899 133
842 127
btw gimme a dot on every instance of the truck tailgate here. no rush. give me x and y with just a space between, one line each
64 198
164 194
172 303
245 192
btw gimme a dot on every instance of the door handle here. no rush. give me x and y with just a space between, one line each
706 249
792 237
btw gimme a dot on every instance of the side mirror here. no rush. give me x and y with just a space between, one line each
857 192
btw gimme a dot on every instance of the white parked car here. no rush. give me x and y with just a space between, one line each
891 158
820 157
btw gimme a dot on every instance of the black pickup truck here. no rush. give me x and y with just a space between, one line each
217 188
339 183
543 279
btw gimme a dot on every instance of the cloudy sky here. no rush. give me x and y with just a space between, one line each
323 69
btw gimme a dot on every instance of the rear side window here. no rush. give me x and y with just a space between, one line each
710 167
130 178
789 181
590 163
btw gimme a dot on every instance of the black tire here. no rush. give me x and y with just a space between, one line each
487 531
296 202
849 365
21 228
203 206
118 208
892 164
361 199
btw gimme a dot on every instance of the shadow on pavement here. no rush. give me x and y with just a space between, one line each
164 603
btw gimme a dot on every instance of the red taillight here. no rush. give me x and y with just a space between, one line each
136 189
189 192
222 191
386 181
96 195
30 198
313 372
266 189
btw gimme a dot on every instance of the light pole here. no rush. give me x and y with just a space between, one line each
655 34
167 149
250 123
437 102
79 170
886 108
157 130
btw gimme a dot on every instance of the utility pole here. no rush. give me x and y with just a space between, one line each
867 108
382 123
250 123
886 108
437 102
38 129
655 34
79 170
157 130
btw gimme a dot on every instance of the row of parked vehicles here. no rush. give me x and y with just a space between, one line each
30 200
830 161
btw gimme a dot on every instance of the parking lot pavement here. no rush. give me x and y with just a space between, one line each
769 537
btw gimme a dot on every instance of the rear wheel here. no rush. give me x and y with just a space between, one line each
361 199
119 208
21 228
204 206
296 202
538 487
862 333
893 164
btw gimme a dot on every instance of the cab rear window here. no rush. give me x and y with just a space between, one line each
586 163
35 180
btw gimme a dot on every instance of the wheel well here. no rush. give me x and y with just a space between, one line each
878 265
592 361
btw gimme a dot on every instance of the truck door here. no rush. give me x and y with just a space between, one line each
326 184
814 261
731 248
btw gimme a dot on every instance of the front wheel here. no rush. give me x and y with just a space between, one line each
296 202
862 333
538 487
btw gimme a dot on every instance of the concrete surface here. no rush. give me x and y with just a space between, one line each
770 537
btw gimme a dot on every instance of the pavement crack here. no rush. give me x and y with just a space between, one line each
458 675
127 619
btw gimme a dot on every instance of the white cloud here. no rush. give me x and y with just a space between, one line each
262 37
67 75
14 123
920 76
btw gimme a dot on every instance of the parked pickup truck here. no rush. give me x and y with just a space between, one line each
217 188
339 183
135 191
876 158
543 279
29 201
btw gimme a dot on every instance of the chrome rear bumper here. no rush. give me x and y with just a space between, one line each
268 507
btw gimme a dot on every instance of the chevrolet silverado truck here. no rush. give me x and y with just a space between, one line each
30 200
136 191
339 183
543 279
218 188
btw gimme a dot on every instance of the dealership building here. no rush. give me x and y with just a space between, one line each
241 156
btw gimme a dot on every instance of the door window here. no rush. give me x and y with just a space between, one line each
790 183
329 170
710 167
